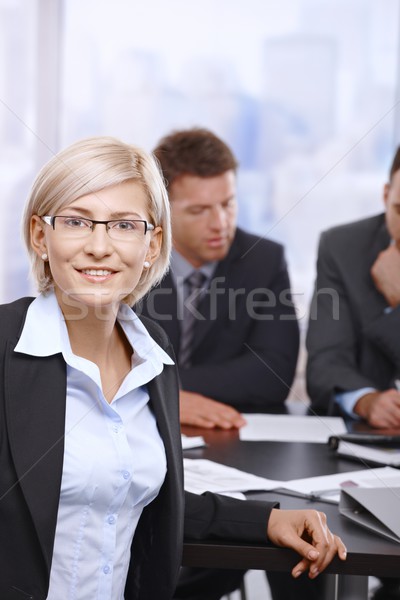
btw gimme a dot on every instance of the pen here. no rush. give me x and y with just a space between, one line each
312 496
319 493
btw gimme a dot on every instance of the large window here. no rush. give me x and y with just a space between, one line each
305 91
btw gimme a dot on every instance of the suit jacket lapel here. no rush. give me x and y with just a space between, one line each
166 410
35 414
164 301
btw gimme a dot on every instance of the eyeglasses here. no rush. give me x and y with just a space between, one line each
79 227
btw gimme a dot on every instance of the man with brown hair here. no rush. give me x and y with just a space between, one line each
354 351
241 352
235 335
353 337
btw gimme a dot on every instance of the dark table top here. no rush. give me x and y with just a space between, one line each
368 553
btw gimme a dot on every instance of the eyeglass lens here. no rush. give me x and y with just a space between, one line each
125 229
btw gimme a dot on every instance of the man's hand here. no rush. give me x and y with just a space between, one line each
380 409
306 532
201 411
386 274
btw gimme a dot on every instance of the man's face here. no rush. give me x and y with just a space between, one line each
203 212
392 202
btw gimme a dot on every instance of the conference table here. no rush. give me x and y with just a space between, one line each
368 553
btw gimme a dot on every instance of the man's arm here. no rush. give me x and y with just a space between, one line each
305 531
334 344
380 409
332 338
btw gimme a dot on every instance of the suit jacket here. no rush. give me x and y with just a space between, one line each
32 419
352 342
245 348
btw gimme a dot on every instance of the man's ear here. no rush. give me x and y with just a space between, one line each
37 235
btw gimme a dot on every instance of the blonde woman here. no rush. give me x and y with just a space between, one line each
91 488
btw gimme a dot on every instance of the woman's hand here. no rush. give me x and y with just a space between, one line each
306 532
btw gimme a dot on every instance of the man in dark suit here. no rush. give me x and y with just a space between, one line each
353 338
244 344
244 340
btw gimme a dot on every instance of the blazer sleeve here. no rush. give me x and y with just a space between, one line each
262 373
215 516
333 340
384 333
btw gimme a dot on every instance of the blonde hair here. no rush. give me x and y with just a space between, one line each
86 167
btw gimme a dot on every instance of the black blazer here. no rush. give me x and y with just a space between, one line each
245 350
32 418
352 342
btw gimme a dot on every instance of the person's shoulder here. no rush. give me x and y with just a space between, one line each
156 331
354 230
16 309
247 242
12 316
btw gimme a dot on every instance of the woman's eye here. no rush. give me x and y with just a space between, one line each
75 222
124 225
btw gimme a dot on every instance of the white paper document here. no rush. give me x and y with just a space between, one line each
375 454
329 486
290 428
203 475
188 442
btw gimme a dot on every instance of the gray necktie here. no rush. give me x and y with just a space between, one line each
194 293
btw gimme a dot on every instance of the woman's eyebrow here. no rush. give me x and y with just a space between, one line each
114 215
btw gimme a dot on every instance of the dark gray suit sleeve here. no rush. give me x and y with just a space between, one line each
333 342
215 516
384 333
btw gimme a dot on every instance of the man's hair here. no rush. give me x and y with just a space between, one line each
395 164
194 151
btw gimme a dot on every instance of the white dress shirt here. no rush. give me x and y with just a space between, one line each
114 458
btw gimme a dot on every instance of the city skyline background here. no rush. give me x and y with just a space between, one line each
305 92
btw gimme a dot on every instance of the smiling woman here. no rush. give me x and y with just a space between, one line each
99 177
91 474
110 253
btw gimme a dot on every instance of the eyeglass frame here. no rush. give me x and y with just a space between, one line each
51 220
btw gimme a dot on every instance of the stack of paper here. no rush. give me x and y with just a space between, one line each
188 442
375 454
291 428
330 486
203 475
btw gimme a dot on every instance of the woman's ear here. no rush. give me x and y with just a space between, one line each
38 239
154 249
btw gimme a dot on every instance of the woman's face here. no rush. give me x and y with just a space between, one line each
95 269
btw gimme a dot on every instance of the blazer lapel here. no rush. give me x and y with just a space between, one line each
35 413
163 303
162 390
